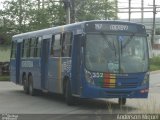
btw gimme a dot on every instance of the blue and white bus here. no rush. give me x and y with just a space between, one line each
91 59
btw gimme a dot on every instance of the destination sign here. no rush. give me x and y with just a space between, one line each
114 27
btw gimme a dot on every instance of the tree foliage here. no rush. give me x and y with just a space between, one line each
20 16
94 9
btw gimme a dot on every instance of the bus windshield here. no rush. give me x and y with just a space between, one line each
116 53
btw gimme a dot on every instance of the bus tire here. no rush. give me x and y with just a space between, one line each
122 101
68 94
25 84
31 89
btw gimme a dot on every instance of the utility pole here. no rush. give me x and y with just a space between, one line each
142 10
67 6
154 18
116 3
72 7
20 15
129 11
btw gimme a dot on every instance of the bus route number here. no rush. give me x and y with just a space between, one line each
97 75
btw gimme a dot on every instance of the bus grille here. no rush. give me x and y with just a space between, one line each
121 85
116 81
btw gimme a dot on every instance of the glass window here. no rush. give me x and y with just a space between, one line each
38 46
13 50
100 50
32 46
134 50
28 47
25 48
114 54
56 46
67 44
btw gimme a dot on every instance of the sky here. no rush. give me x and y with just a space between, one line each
134 3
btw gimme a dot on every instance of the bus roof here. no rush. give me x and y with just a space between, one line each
78 25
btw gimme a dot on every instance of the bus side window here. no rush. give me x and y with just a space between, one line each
67 44
28 47
32 46
38 46
52 44
13 50
24 48
56 49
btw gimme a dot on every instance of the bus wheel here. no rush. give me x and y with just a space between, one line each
31 89
25 85
122 101
68 94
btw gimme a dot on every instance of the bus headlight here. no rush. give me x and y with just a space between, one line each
89 78
146 79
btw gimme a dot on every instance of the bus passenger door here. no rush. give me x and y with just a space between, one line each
55 67
76 61
18 60
44 62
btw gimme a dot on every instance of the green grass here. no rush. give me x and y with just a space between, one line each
4 53
155 63
4 78
154 67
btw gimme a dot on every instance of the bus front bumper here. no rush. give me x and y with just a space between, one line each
96 92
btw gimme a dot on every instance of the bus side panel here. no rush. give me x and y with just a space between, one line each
66 68
32 67
53 75
59 67
36 73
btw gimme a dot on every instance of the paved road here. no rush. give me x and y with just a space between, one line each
13 100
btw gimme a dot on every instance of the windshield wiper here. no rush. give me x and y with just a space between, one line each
109 43
128 41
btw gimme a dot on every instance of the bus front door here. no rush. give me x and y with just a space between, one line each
44 63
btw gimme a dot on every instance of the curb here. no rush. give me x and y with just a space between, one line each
155 72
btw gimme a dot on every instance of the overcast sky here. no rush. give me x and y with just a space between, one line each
134 3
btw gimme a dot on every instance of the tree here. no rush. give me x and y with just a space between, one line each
46 14
17 12
20 16
94 9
